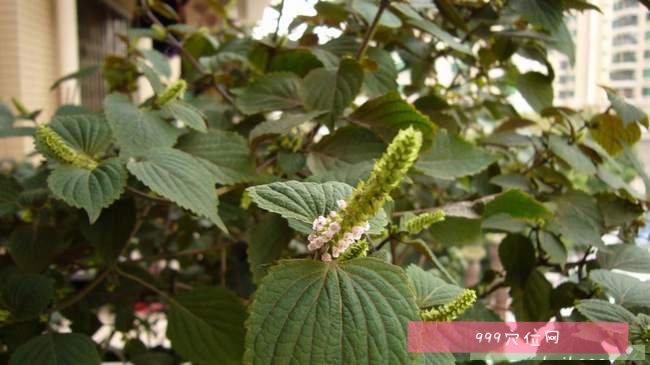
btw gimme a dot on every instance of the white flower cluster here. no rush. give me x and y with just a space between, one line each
325 228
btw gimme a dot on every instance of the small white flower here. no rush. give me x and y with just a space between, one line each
332 214
334 227
319 223
326 257
342 204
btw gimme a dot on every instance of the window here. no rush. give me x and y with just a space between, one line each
625 20
564 65
627 92
647 16
566 78
622 4
622 75
647 35
646 91
627 56
625 38
566 94
646 73
646 53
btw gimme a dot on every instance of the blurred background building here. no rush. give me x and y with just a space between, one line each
612 49
43 40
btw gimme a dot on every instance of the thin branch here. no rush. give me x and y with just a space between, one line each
177 44
82 293
372 30
147 285
495 287
142 194
277 24
173 255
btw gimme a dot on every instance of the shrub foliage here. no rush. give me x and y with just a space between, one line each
297 200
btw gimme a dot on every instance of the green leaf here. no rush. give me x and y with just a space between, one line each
518 258
562 40
431 290
382 80
305 201
9 192
553 247
91 190
350 174
578 218
26 296
332 90
88 133
135 130
158 61
387 114
532 303
536 88
610 132
368 9
545 13
283 125
626 290
627 112
626 257
225 154
456 231
267 241
57 349
274 91
571 154
451 157
597 310
416 20
518 205
34 248
206 326
112 230
353 312
7 118
186 113
180 178
298 61
347 145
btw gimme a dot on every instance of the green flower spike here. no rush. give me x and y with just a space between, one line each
62 150
360 249
450 311
369 196
423 221
171 93
341 230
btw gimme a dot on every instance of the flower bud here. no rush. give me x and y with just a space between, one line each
57 145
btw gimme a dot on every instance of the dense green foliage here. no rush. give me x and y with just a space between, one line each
201 204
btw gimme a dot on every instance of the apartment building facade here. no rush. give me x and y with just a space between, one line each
612 49
43 40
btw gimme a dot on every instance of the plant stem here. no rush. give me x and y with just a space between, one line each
82 293
177 44
371 31
144 195
277 24
147 285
